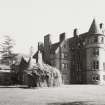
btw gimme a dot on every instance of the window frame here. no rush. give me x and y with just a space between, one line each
96 51
65 55
96 77
102 39
95 39
103 65
95 65
65 65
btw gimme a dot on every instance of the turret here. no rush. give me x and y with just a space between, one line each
95 28
95 54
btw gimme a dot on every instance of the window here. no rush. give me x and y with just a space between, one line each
64 45
78 67
64 55
104 65
104 77
84 43
95 64
96 77
79 78
87 41
93 78
64 65
102 39
95 40
96 51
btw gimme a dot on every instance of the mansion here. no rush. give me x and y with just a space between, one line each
80 59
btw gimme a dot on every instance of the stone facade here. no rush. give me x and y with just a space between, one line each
81 59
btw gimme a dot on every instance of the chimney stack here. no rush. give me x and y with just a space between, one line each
62 37
102 28
40 46
76 33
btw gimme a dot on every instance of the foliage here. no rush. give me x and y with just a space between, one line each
43 75
7 50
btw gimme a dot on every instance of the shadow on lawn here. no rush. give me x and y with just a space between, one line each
13 86
77 103
19 86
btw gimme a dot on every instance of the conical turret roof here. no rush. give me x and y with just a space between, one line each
94 28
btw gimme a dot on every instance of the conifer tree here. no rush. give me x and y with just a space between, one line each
7 55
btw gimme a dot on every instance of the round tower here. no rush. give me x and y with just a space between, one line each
95 55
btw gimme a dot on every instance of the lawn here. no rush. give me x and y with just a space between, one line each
64 95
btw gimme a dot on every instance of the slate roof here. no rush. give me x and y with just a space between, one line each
35 55
52 49
94 28
19 58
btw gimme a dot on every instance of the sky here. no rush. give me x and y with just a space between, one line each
27 21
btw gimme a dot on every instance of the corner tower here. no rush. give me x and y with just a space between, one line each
95 54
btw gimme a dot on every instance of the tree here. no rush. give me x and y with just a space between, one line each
7 54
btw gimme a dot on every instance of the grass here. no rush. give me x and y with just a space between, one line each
65 95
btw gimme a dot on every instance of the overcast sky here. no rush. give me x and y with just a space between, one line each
27 21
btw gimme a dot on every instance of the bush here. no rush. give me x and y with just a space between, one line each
42 75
